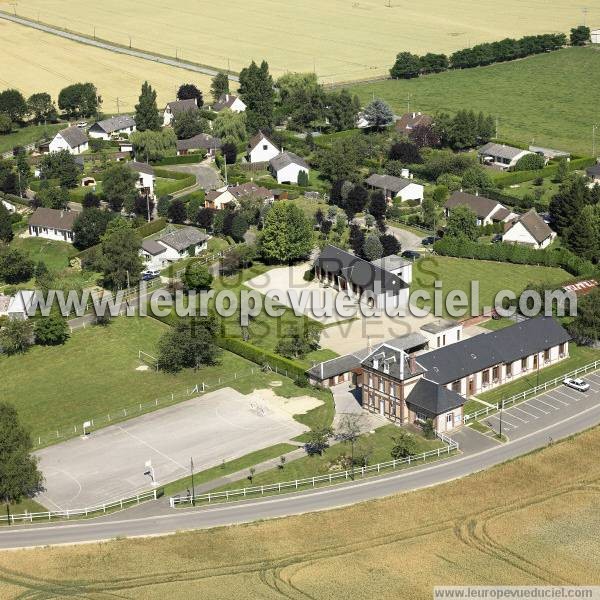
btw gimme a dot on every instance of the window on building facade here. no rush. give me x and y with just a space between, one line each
546 355
524 364
495 373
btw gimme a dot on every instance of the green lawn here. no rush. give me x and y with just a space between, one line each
549 188
578 357
165 186
549 98
494 325
28 135
95 373
227 468
458 273
381 443
53 253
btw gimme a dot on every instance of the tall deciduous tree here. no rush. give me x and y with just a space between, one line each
79 100
6 232
89 227
189 91
580 36
118 186
342 110
585 328
287 234
462 222
219 86
16 336
189 123
42 108
146 110
13 104
52 330
121 261
62 166
153 145
373 249
19 474
256 90
230 125
406 66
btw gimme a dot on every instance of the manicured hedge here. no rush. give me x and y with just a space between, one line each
181 160
514 177
261 357
150 228
517 254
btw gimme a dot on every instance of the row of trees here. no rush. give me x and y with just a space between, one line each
408 65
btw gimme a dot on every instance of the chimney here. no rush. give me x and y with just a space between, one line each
414 115
321 371
401 365
412 361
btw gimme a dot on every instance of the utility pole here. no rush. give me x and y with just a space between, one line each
408 103
129 41
584 10
496 127
148 206
94 32
192 472
118 106
501 407
594 128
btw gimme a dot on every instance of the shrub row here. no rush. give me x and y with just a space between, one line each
517 254
261 356
180 160
515 177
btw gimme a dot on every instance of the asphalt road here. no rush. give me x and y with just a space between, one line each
285 505
172 62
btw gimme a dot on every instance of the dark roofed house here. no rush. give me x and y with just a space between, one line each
488 211
178 106
593 173
202 141
72 139
52 224
105 129
250 190
396 187
286 167
170 247
501 156
428 400
230 102
408 121
352 274
530 230
184 239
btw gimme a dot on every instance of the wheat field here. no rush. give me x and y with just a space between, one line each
341 40
33 61
531 521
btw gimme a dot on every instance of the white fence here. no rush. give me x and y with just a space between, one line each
534 391
137 409
329 478
81 512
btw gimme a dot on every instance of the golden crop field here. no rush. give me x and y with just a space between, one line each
340 39
532 521
33 61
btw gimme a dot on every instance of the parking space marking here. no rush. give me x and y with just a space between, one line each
505 423
574 398
546 403
530 404
525 412
558 400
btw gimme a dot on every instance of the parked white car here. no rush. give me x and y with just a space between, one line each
577 384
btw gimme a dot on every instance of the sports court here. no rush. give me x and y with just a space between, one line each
111 463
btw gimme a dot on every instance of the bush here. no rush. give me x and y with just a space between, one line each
309 275
530 162
181 160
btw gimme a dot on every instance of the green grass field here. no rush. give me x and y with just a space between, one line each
28 135
550 99
458 273
53 253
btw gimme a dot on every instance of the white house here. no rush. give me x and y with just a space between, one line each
17 306
178 106
202 141
146 179
530 230
173 246
595 36
218 199
231 102
52 224
442 332
500 155
72 139
261 148
286 167
397 187
487 211
113 127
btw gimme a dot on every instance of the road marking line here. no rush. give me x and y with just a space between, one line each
512 414
567 395
546 403
558 400
530 404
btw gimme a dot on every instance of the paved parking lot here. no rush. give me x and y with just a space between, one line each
546 409
110 463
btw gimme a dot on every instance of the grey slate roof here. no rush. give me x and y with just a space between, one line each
432 398
343 364
593 172
250 189
182 239
74 136
53 219
179 106
286 158
202 140
480 205
500 150
257 138
152 247
388 182
358 271
391 262
535 225
439 325
486 350
141 167
114 124
225 101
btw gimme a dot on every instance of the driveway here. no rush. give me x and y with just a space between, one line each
207 178
544 410
408 240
